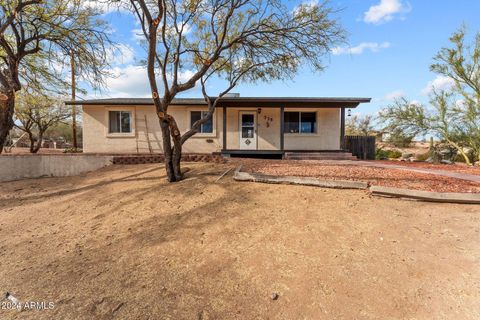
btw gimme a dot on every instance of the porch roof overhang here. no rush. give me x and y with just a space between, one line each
235 102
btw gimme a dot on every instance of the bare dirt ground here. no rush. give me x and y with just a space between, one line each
374 176
121 243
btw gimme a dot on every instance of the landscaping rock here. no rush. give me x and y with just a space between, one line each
446 197
306 181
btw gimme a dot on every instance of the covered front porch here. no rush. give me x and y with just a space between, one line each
276 127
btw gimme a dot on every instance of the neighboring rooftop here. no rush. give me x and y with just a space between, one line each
239 101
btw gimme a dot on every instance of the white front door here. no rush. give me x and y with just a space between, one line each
248 130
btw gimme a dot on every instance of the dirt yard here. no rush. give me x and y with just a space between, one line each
375 176
121 243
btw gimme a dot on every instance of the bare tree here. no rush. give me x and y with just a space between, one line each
36 37
360 126
36 113
194 41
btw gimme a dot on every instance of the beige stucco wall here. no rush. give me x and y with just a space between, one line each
268 132
327 136
96 138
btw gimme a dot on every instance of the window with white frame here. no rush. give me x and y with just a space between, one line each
119 121
300 122
207 127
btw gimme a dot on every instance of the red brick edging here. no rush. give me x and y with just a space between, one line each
158 158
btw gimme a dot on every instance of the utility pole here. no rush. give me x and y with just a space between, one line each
74 107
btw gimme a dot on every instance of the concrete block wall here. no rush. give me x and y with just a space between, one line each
17 167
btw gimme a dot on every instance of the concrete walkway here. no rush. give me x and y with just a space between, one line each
445 173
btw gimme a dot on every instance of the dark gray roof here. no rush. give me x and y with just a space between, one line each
242 101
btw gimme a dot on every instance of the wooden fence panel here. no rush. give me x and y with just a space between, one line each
363 147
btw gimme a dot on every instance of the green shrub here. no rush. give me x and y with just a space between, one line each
423 156
399 139
381 154
394 154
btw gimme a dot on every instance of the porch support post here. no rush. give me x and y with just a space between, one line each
282 128
342 129
224 128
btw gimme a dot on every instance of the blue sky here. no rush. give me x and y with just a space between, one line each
391 44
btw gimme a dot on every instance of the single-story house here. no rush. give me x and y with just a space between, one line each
240 125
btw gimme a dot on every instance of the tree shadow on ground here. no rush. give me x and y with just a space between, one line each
79 273
13 202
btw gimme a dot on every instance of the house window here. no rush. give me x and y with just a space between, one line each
119 122
207 127
300 122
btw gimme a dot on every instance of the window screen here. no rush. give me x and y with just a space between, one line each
207 127
119 122
291 122
308 122
300 122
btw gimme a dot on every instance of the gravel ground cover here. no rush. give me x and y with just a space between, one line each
374 176
458 167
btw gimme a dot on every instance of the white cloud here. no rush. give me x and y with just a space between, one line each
305 6
132 82
105 6
394 95
439 83
372 46
137 35
385 11
122 54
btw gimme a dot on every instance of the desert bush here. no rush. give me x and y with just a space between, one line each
382 154
394 154
400 139
423 156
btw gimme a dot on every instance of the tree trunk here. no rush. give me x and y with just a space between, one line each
176 159
167 151
177 148
7 108
460 149
32 142
39 143
173 154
